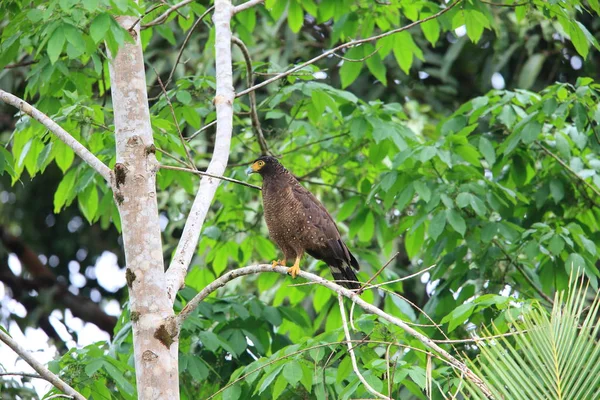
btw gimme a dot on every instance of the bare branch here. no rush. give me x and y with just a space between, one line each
253 109
185 42
357 59
246 5
137 21
223 178
504 5
352 355
22 374
260 268
343 46
163 17
56 129
193 135
183 142
39 367
186 248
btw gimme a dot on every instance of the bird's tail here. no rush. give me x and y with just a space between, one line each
343 272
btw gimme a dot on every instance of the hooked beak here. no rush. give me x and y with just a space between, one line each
249 170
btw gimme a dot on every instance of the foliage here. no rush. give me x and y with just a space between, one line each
416 153
559 347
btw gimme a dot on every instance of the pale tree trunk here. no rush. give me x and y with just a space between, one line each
134 189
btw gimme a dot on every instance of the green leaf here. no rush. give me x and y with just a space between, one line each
88 202
292 372
100 26
350 70
365 234
403 50
64 192
456 221
437 225
431 29
557 189
531 70
423 191
56 44
531 131
118 377
197 368
474 23
375 64
589 245
487 150
233 392
295 16
459 315
579 40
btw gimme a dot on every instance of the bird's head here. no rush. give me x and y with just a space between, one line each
265 166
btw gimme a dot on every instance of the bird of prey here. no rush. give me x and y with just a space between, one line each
299 223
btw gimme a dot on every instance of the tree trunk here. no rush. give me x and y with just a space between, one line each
134 190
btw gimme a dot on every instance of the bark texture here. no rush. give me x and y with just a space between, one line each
134 187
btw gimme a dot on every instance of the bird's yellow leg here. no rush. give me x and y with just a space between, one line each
295 269
279 263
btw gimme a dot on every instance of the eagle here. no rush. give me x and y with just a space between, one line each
299 223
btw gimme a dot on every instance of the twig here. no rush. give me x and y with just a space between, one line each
193 135
223 178
20 64
262 143
223 101
565 166
246 5
260 268
185 42
162 18
343 46
358 59
352 355
504 5
315 142
23 374
171 156
522 271
57 130
404 277
137 21
362 288
183 142
39 367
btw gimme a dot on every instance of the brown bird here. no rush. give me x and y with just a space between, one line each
299 223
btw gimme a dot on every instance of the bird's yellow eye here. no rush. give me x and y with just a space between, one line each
261 163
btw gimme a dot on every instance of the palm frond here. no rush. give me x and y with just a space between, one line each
551 354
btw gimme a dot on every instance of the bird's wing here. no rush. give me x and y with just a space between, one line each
317 213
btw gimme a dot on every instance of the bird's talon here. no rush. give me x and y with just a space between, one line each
294 271
277 263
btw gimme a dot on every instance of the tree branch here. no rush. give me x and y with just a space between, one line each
264 149
259 268
186 248
343 46
163 17
39 367
246 5
352 355
63 135
223 178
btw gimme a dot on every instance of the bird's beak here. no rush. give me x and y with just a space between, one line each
249 170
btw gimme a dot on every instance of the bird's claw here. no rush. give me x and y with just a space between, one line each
277 263
294 271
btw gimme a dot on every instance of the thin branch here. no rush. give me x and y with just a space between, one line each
523 273
246 5
56 129
23 374
185 42
39 367
171 156
223 178
357 59
362 288
352 355
193 135
315 142
260 268
262 143
20 64
343 46
137 21
163 17
183 142
504 5
223 101
568 168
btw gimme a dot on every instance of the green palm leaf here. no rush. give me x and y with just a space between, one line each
550 355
